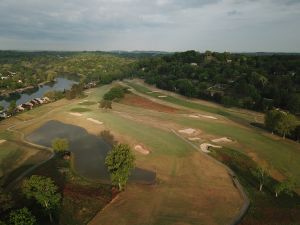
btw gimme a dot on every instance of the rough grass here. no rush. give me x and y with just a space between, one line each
265 208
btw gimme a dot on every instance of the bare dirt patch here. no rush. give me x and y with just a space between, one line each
194 139
162 96
2 141
95 121
141 149
223 139
135 100
205 147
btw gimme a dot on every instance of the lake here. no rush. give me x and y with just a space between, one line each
89 150
59 85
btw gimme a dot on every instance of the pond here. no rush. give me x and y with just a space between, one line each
89 150
60 84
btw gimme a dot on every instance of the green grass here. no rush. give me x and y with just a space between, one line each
163 142
9 153
80 110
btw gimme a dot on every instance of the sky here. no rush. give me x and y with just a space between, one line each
160 25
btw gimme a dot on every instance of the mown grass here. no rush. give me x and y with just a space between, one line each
265 208
283 155
87 103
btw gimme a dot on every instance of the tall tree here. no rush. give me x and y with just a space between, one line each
119 162
44 191
286 124
287 187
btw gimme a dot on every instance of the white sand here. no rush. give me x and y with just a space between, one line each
203 116
193 116
2 141
162 96
223 139
188 131
141 150
205 147
94 121
208 117
75 114
194 139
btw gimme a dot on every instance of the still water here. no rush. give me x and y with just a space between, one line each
59 85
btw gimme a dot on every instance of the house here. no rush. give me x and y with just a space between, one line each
4 78
34 102
27 105
193 64
20 81
40 101
46 99
20 108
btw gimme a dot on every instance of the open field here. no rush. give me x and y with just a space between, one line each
190 187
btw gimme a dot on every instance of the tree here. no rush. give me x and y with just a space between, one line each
1 107
44 191
286 187
119 162
271 119
262 174
285 124
21 217
106 104
6 201
60 145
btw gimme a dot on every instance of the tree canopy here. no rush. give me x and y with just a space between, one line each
119 162
21 217
60 145
44 191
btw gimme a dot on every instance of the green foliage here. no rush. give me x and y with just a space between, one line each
1 107
21 217
6 201
106 104
287 187
44 191
54 95
119 162
11 107
76 91
282 122
262 174
60 145
115 93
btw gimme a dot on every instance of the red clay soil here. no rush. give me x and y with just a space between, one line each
135 100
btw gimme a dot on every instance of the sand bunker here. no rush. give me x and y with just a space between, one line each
162 96
188 131
205 147
95 121
223 139
141 150
194 139
203 116
75 114
2 141
208 117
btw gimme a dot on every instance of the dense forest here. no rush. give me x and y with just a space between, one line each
253 81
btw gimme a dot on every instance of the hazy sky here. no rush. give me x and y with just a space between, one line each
169 25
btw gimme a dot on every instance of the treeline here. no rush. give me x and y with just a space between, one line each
24 69
257 82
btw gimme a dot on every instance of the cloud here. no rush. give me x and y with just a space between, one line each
237 25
